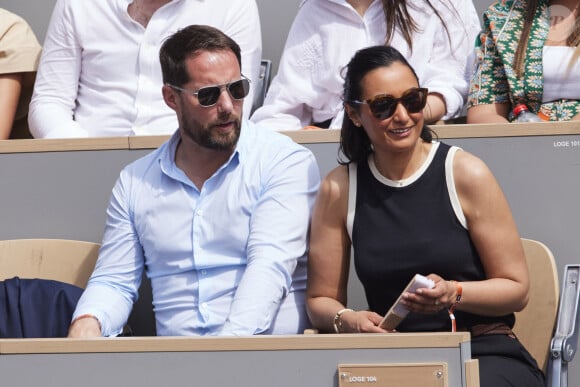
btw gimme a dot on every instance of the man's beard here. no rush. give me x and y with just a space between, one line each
207 137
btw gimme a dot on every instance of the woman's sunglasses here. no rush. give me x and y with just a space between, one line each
209 95
383 106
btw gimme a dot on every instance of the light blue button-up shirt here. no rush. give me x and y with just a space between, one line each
229 259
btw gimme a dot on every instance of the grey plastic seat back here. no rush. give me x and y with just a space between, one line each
264 82
565 340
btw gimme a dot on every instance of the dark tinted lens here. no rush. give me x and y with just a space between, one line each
414 100
208 96
239 89
383 107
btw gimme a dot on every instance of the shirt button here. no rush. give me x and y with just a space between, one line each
203 272
199 212
204 305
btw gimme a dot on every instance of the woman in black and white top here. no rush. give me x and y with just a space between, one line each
407 204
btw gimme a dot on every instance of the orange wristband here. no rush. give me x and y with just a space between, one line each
459 293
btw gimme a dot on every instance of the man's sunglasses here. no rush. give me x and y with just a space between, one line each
209 95
383 106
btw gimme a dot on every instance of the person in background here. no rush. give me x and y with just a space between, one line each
19 53
527 54
436 36
217 216
99 74
408 204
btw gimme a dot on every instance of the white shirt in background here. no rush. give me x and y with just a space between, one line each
99 74
561 72
326 34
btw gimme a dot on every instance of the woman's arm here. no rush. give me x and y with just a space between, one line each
489 91
329 260
448 68
10 88
496 238
435 108
488 114
18 59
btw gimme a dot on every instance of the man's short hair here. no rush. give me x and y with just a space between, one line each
186 43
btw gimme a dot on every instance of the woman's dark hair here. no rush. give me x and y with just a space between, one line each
187 42
397 16
355 145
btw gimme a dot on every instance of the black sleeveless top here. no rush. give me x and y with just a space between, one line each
400 231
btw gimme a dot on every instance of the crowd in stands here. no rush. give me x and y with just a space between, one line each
99 73
435 36
218 216
102 79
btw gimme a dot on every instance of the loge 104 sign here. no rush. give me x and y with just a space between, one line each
393 375
360 379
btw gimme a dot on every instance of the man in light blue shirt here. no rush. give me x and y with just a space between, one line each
217 216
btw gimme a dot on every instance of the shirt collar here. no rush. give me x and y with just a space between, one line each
167 155
123 4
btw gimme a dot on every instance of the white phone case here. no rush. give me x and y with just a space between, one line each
398 312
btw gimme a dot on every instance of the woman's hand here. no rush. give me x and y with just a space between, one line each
430 301
361 321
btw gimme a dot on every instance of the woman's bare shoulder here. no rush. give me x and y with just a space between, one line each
336 181
472 176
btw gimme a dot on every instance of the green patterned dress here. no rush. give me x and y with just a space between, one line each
495 80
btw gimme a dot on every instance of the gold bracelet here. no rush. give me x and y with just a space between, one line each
337 323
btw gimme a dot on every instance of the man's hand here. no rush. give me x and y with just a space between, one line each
85 326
